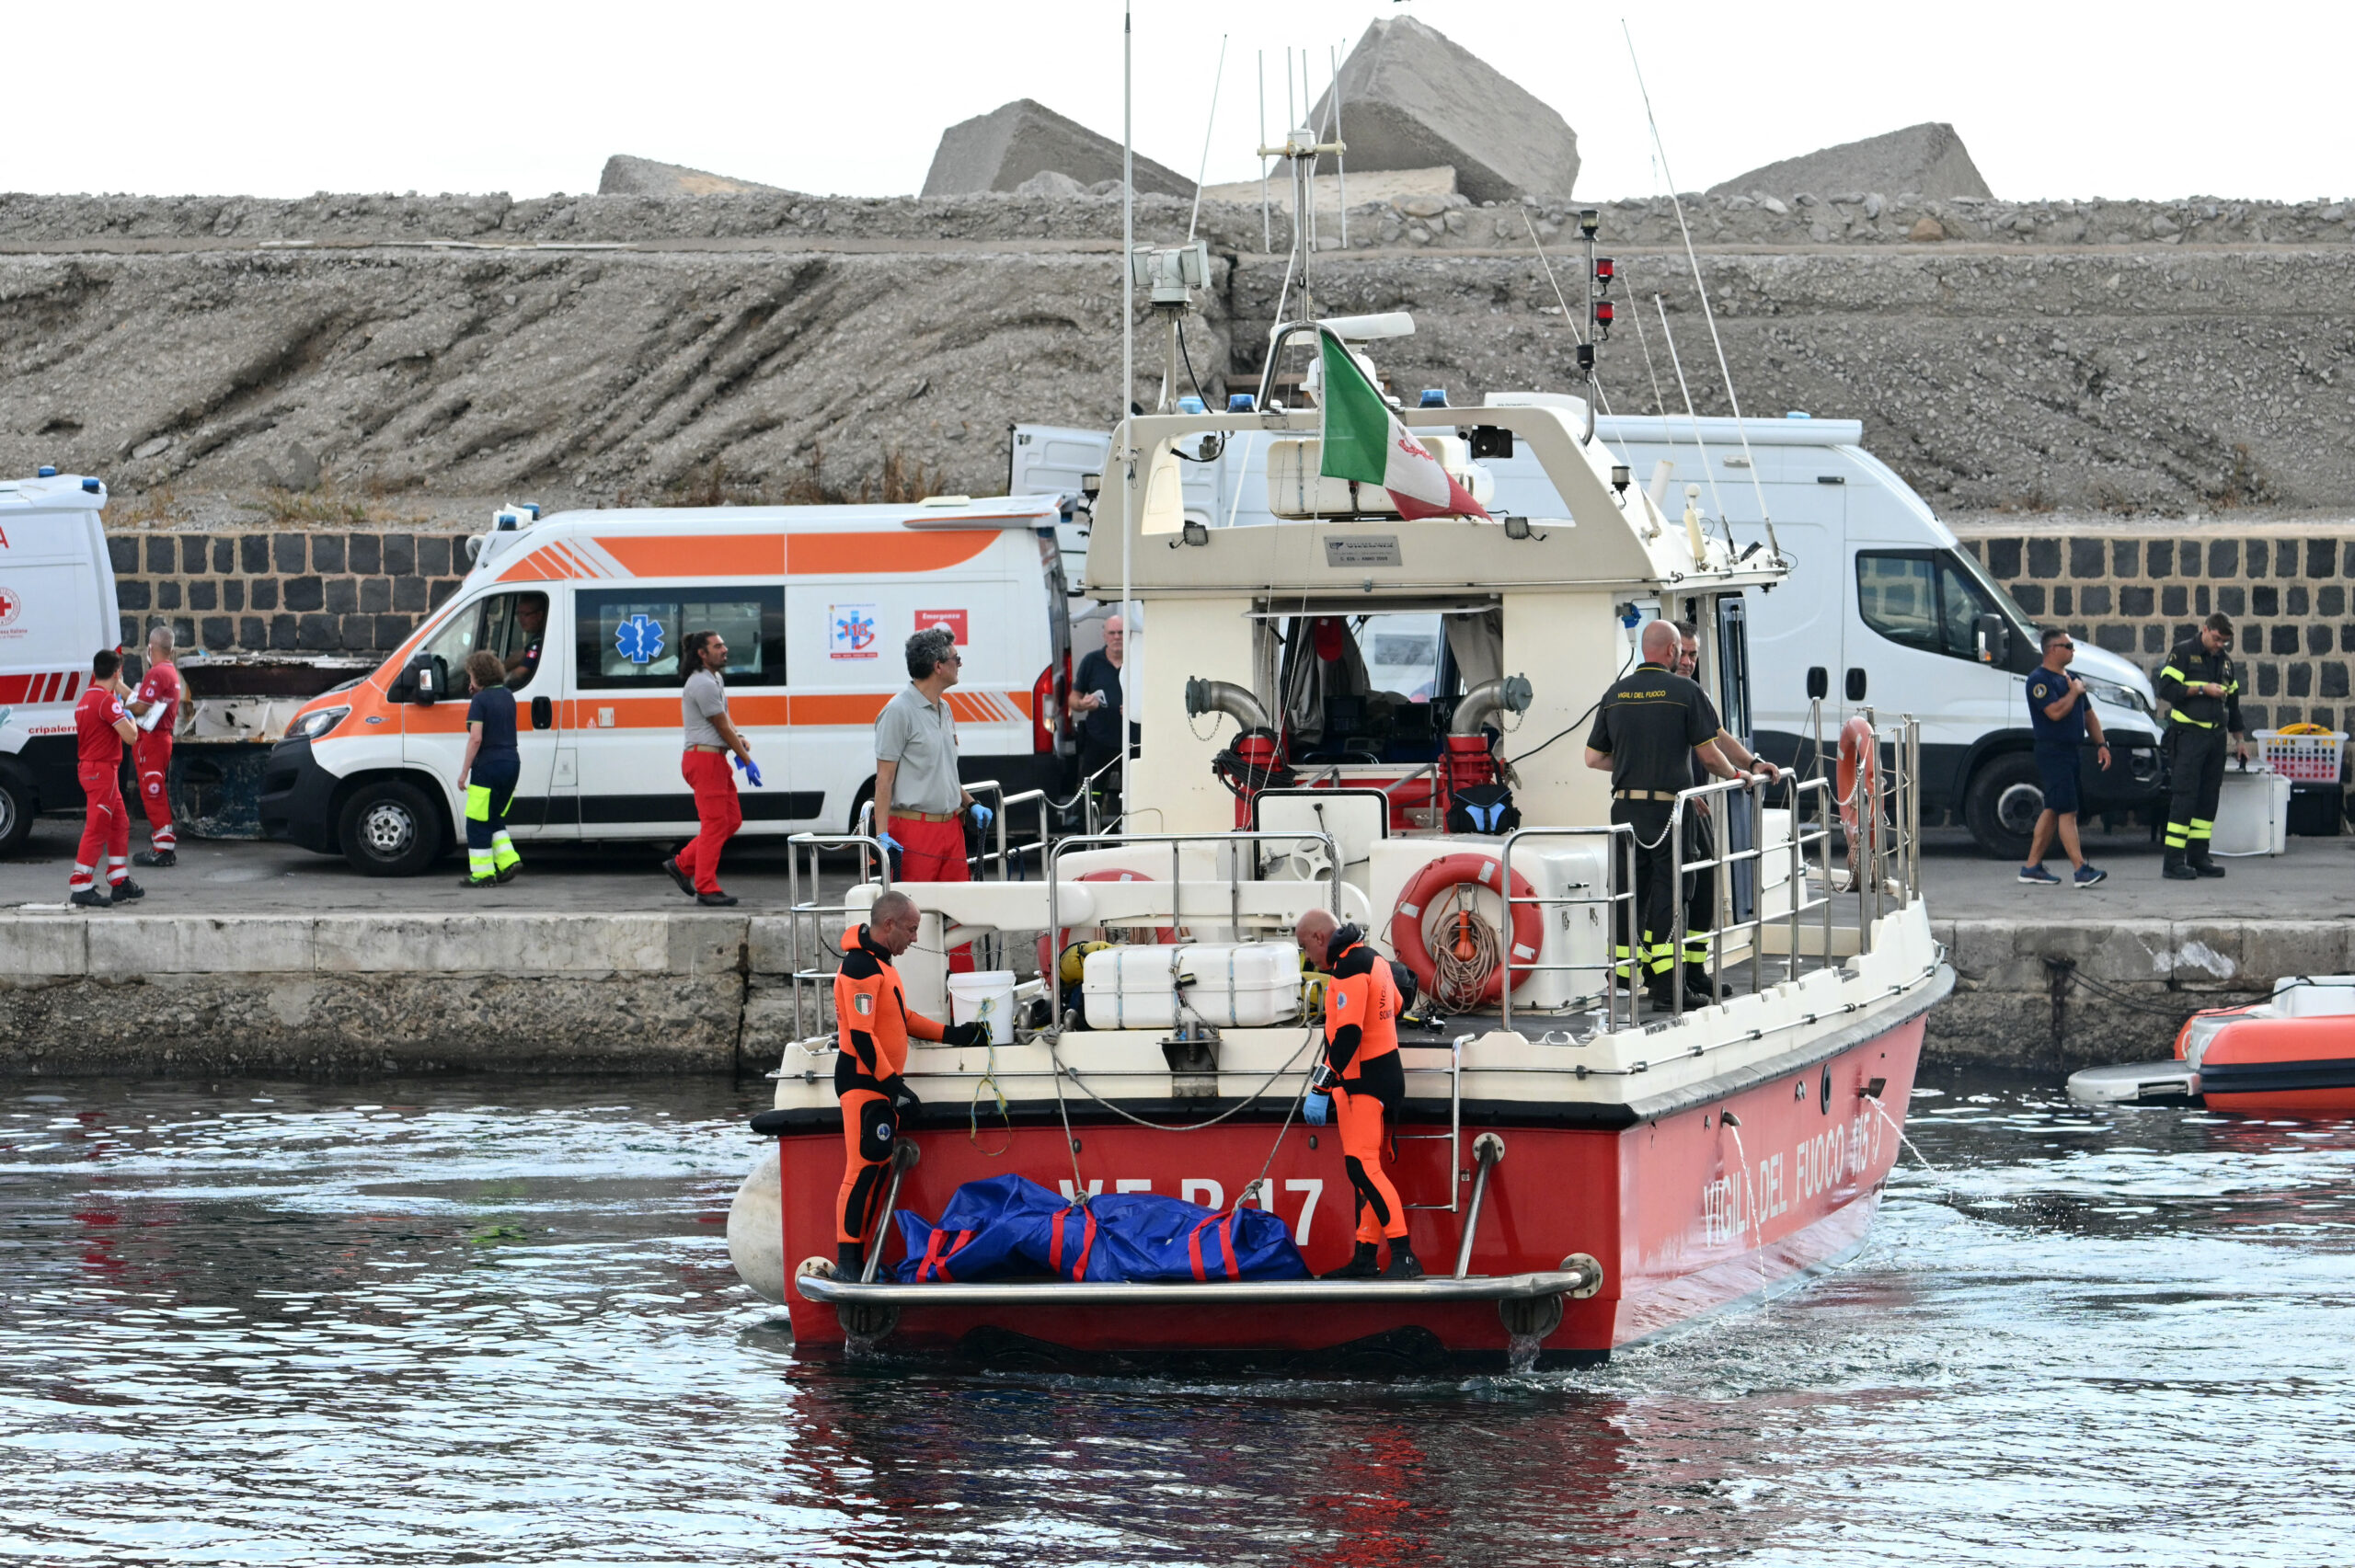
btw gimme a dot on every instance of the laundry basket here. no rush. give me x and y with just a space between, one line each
2302 756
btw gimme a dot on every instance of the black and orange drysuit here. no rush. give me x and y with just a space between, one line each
1361 1007
872 1010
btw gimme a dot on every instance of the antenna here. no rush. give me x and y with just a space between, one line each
1204 169
1708 473
1341 158
1594 383
1128 379
1267 222
1661 148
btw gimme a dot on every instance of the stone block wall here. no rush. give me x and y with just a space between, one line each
283 590
2137 594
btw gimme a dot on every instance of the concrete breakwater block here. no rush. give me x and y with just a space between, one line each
1411 99
1928 159
1011 145
626 175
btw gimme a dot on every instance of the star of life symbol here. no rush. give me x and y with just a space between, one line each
854 630
10 604
639 639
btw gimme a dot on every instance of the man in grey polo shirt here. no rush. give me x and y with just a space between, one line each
919 802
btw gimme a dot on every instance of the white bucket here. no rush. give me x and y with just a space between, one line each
985 996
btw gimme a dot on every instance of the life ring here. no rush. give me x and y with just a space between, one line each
1859 757
1450 871
1166 936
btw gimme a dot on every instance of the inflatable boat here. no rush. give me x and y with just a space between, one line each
2293 1054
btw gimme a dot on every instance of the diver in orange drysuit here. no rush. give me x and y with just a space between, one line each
1367 1081
872 1011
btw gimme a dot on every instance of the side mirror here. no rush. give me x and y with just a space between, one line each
1819 683
1994 640
543 714
421 682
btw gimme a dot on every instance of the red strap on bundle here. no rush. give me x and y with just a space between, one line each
1226 1224
936 1257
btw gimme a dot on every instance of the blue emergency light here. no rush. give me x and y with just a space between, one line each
1434 397
1240 402
1189 404
46 473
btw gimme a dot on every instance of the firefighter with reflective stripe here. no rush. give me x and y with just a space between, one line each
2203 696
1649 727
1700 829
156 711
871 1057
1362 1072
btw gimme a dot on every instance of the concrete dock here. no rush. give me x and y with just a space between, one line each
264 960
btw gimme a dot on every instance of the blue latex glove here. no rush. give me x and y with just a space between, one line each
750 770
892 845
1317 1109
982 815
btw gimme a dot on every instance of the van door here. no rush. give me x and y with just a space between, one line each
626 673
516 625
1913 648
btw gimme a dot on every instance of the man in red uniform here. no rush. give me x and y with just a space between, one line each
156 711
1367 1081
102 726
871 1058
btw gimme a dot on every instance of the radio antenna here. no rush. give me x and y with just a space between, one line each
1694 259
1707 472
1267 222
1128 385
1216 77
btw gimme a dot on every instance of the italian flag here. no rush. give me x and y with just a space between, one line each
1363 440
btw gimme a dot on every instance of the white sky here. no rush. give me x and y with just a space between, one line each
244 97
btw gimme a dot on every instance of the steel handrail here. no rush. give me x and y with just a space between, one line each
1620 835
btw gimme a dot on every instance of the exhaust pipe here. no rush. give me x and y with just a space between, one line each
1227 697
1506 693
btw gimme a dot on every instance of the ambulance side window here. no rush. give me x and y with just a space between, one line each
627 639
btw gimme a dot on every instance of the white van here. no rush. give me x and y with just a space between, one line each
1882 608
57 608
815 604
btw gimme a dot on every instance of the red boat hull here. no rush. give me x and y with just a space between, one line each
1686 1213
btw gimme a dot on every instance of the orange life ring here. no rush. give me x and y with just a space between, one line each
1166 936
1436 877
1860 754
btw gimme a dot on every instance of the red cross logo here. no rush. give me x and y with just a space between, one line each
10 605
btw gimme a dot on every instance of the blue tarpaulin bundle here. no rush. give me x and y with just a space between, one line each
1010 1225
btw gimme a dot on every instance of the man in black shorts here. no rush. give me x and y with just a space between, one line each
1649 729
2060 716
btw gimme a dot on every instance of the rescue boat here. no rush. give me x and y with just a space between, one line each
1377 708
2290 1055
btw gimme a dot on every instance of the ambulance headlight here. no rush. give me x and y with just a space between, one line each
2116 695
317 722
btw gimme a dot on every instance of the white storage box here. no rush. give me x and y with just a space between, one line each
2253 814
1243 986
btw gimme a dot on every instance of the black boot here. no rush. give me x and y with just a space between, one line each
1364 1263
1404 1265
2201 865
155 857
1698 986
2179 868
850 1259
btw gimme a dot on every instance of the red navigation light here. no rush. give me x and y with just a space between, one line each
1606 269
1605 312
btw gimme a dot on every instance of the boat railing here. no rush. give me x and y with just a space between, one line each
1618 902
806 947
1177 842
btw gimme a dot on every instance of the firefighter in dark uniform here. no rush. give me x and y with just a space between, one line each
870 1062
1649 727
1700 833
2203 693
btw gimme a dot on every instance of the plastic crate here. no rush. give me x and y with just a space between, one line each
2303 759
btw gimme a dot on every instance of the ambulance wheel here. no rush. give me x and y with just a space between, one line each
16 812
389 829
2005 796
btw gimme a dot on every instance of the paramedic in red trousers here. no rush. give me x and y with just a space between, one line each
870 1063
709 739
156 711
102 727
1362 1072
915 768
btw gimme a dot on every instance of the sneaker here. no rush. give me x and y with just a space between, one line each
686 884
715 901
125 891
2087 875
156 858
2037 876
90 898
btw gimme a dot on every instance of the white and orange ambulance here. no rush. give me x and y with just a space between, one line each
57 608
815 604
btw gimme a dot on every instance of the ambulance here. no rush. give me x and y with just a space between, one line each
591 608
57 608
